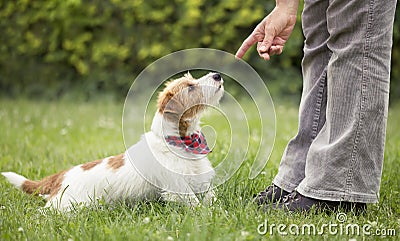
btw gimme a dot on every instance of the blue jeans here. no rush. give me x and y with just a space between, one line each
337 154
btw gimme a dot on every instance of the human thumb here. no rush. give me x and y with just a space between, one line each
265 44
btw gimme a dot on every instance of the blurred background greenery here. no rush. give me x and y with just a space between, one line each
50 49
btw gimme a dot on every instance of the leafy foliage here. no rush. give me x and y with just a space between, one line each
50 47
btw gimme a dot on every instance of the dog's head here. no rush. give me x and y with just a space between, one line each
183 99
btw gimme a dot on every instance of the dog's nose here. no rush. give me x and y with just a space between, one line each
217 77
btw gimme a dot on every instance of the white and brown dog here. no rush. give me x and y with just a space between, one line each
169 163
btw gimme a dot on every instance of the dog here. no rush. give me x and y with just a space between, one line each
169 163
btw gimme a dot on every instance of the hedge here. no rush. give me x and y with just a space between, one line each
51 47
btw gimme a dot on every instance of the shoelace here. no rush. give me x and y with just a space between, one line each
293 196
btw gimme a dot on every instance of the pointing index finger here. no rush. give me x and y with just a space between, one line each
250 41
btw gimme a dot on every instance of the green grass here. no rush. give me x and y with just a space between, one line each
41 138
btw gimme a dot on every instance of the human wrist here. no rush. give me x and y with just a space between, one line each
289 6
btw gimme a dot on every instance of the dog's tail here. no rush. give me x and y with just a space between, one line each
15 179
46 188
22 182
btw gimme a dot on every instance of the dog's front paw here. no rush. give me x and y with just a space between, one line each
187 199
209 198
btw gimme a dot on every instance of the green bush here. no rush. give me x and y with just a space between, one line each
51 47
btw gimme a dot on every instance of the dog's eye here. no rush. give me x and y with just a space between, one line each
191 87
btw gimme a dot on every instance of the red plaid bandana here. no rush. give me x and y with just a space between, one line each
195 143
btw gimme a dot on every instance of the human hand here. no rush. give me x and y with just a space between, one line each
272 32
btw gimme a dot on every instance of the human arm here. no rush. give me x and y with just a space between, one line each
273 31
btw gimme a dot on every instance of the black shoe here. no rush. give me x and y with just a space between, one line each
272 194
295 202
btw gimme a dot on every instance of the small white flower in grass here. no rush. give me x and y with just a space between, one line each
373 223
2 207
63 131
244 233
68 122
146 220
20 229
169 238
263 173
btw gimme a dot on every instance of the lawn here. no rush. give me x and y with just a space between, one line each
40 138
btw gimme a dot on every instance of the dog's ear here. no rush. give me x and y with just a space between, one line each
163 99
169 106
188 75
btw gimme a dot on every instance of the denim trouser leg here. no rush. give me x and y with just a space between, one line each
313 99
344 160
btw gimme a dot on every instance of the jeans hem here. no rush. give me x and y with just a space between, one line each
337 195
284 184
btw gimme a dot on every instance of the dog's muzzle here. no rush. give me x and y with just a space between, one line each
217 77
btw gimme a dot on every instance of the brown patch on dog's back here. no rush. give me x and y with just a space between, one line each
47 186
116 162
90 165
